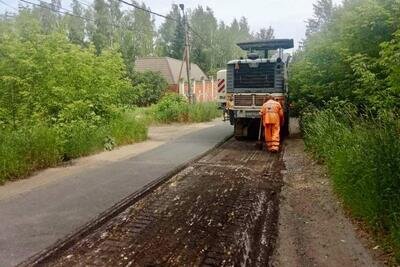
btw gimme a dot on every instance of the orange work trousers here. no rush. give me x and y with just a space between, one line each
272 136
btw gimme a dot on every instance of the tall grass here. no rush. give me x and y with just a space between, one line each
27 149
174 108
202 112
34 147
30 148
363 158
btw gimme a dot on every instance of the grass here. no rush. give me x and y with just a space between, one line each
30 148
27 149
363 158
174 108
34 147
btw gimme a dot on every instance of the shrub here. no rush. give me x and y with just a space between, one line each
148 88
175 108
172 108
81 138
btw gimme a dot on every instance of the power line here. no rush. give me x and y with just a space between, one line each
10 6
57 11
169 18
83 3
148 11
70 14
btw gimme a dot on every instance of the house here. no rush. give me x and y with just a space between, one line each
174 71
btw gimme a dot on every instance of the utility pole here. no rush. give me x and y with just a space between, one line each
187 52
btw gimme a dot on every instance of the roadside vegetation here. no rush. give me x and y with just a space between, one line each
346 87
60 100
175 108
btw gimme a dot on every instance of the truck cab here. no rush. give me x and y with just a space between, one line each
249 80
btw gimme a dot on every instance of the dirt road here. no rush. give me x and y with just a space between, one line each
224 210
312 228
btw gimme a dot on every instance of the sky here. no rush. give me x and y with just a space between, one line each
287 17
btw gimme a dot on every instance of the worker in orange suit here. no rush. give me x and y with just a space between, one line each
272 115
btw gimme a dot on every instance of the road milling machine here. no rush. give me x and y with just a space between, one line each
249 80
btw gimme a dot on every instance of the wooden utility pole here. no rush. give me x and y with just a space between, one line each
187 52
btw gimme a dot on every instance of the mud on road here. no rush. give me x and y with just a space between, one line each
220 211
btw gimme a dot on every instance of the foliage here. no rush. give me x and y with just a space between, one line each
323 12
165 43
172 108
363 158
349 69
58 100
34 147
202 112
50 80
205 24
351 56
105 24
265 34
175 108
213 43
148 88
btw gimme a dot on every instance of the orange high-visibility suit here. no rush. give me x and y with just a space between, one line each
272 116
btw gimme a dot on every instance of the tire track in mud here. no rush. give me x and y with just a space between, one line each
220 211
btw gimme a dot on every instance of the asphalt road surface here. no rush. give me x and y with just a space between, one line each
40 214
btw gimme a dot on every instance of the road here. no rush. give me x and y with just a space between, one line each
236 206
221 210
36 212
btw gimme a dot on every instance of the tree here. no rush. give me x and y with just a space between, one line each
178 43
265 34
143 27
148 88
347 58
166 33
244 30
115 14
103 30
204 23
76 25
136 36
47 14
322 14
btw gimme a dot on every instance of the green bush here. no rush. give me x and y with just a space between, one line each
81 138
172 108
148 88
363 158
175 108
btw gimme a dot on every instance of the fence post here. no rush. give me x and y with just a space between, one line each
194 90
212 88
181 87
204 98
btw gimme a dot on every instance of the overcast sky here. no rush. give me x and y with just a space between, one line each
285 16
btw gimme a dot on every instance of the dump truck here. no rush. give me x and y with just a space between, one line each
249 80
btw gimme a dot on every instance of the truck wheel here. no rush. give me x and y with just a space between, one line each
239 130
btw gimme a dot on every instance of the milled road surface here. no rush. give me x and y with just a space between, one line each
220 211
36 212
